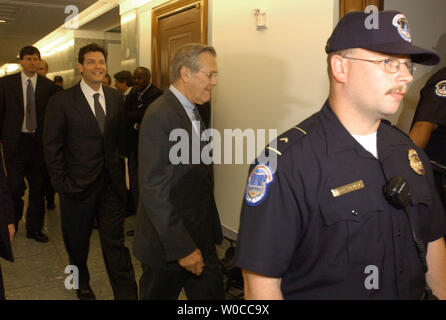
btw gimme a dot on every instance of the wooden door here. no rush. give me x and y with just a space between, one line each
173 25
346 6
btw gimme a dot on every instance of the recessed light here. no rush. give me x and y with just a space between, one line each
1 20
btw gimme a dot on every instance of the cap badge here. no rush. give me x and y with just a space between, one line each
258 184
400 22
440 89
415 162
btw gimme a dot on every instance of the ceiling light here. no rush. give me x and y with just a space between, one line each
1 20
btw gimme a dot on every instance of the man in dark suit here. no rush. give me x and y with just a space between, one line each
82 136
7 228
177 224
142 95
23 100
123 82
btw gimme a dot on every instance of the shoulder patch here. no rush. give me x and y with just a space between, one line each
440 89
257 186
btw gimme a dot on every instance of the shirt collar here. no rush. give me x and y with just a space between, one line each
144 90
127 92
183 100
89 92
339 139
25 77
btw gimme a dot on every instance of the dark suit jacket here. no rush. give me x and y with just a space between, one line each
6 216
76 152
12 110
176 208
135 114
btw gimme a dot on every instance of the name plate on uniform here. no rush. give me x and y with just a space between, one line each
347 188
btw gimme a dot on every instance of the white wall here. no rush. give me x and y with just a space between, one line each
428 29
273 78
113 59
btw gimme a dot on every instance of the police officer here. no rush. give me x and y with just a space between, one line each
429 127
317 225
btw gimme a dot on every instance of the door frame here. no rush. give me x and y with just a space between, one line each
359 5
170 8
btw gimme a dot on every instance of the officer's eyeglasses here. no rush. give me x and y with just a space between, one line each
391 65
210 75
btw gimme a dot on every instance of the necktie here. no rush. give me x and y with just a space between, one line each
198 118
99 111
31 119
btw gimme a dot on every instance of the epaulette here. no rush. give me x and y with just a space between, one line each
286 140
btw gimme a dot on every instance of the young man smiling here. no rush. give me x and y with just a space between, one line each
83 130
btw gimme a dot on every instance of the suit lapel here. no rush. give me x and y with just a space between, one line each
81 105
187 123
19 93
39 93
179 109
108 109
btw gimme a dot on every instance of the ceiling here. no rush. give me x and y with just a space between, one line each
29 21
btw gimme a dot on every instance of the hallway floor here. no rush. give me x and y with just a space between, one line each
38 272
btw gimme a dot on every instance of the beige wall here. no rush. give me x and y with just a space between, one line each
272 78
428 28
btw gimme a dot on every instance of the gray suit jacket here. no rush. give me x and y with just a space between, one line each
176 208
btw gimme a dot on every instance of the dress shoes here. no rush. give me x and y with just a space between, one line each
85 294
38 236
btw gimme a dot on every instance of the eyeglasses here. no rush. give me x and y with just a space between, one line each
210 75
391 65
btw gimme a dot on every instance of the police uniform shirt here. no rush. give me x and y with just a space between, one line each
432 108
321 237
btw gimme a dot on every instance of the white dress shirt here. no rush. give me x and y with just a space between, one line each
24 87
89 93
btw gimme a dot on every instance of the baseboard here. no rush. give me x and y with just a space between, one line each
229 233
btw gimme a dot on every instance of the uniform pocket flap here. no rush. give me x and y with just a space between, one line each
354 206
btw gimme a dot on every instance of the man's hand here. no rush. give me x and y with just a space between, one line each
11 230
193 262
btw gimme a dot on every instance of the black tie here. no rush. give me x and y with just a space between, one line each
31 119
99 111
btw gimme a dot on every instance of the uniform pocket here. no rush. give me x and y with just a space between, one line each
362 213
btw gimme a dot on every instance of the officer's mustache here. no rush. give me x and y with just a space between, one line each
400 89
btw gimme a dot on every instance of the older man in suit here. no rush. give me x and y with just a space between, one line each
23 100
83 130
7 228
177 224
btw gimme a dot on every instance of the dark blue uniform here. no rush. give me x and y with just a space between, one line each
321 219
432 108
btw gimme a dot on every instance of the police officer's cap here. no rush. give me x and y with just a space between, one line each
392 36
